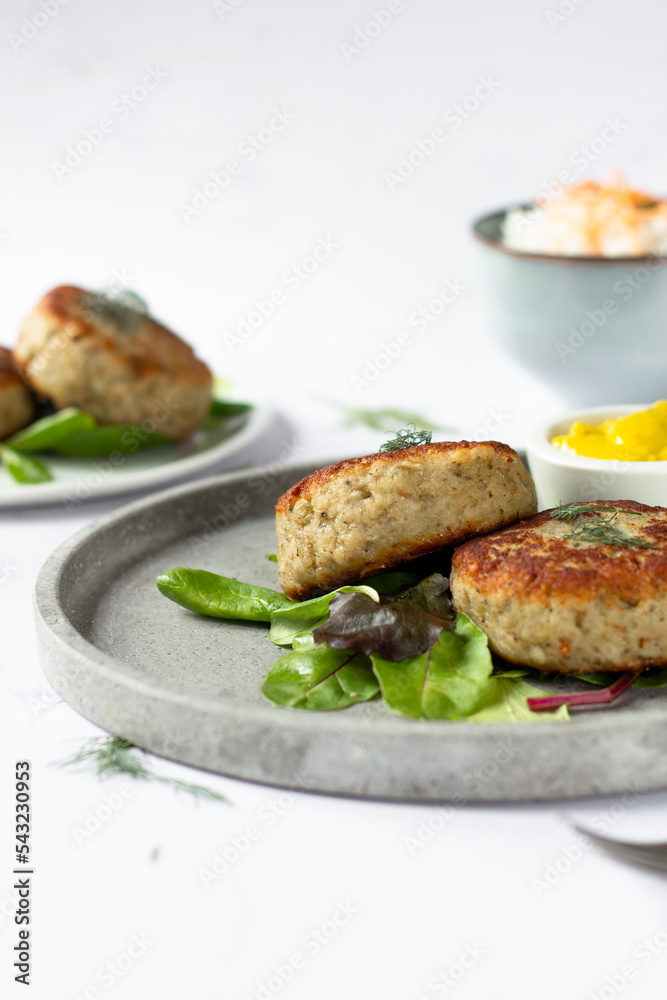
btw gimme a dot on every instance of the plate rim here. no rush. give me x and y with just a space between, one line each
171 472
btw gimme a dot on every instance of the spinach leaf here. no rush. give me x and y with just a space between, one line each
220 596
43 434
295 620
651 679
73 432
220 411
225 408
394 580
320 679
100 441
23 469
396 629
449 681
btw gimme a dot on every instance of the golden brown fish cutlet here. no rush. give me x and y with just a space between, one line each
17 407
551 600
78 348
365 515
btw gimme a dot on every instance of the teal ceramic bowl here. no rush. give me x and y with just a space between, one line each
592 328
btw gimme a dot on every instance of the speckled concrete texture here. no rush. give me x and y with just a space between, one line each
188 687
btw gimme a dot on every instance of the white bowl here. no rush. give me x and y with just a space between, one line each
562 478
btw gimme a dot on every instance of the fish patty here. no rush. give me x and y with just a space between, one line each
549 598
82 349
17 408
365 515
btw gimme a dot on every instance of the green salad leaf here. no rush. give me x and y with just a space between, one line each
77 434
319 678
393 581
452 678
227 408
99 441
220 596
449 681
23 469
295 620
43 434
506 700
651 679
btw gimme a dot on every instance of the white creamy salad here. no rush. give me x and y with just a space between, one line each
590 220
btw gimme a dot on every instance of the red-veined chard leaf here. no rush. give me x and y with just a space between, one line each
295 620
395 629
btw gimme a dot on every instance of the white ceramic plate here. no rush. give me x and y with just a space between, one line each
79 479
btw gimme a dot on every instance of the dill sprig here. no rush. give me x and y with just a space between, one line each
406 438
568 511
110 755
602 533
607 534
122 310
383 418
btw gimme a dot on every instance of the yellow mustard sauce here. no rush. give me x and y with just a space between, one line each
639 437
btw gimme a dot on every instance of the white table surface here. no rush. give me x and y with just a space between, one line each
497 901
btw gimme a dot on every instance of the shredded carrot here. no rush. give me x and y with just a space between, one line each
603 219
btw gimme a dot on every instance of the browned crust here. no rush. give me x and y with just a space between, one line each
65 304
305 488
520 562
9 373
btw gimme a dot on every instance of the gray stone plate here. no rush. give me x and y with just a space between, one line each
188 687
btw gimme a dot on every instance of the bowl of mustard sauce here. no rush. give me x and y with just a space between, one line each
602 453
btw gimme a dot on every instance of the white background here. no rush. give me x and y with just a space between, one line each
355 113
